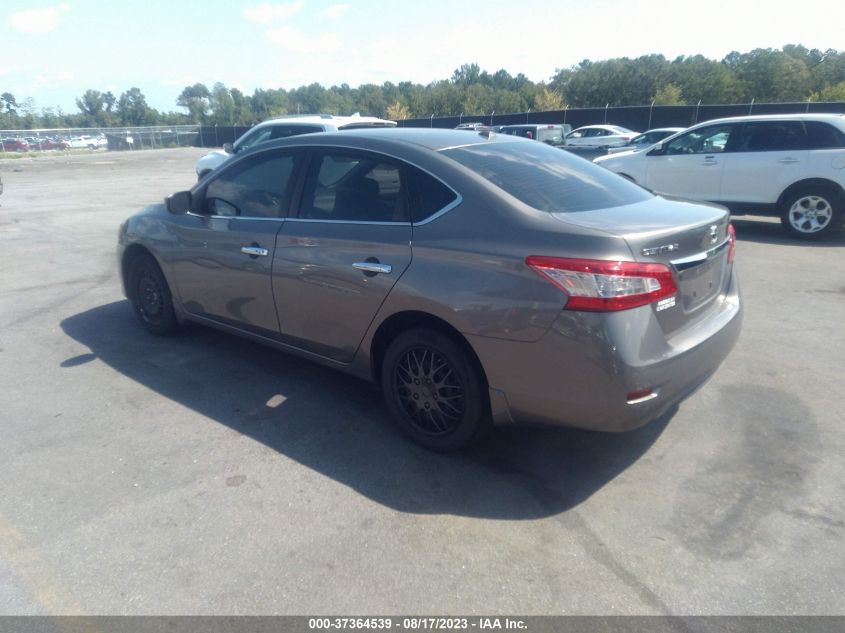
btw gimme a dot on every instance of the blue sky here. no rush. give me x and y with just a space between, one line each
52 52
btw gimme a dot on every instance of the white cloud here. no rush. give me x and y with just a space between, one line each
298 42
38 20
265 13
334 12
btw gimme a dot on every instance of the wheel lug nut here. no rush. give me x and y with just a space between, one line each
435 396
427 405
416 381
416 396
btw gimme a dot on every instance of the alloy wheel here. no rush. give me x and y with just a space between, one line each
429 390
810 214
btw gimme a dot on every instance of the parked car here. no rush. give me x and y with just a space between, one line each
646 139
791 166
594 136
473 285
54 143
282 127
472 127
550 133
91 142
15 145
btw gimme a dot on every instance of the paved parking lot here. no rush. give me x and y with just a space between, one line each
207 475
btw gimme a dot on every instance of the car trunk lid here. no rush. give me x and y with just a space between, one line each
689 237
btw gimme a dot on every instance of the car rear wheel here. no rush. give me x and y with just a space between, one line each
151 296
434 391
811 214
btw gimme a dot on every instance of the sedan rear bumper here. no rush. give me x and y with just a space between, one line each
607 371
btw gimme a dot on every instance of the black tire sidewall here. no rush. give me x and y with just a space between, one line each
833 199
474 422
166 322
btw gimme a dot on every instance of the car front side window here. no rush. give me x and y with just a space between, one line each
253 188
705 140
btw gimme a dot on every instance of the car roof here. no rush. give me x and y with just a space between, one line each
535 125
384 138
601 127
324 119
803 116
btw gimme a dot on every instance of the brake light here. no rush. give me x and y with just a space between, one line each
604 286
731 242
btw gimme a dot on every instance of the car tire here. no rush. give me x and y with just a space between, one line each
150 296
434 391
811 213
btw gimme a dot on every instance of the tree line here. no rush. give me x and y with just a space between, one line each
790 74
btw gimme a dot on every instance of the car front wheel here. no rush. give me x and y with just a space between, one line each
150 296
811 214
434 391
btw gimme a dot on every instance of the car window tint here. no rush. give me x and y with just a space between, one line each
255 188
258 136
284 131
706 140
551 135
427 195
824 136
547 178
353 187
770 136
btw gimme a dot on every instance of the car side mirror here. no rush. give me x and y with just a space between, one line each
179 203
657 150
228 148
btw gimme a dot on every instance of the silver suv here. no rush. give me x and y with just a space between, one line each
282 127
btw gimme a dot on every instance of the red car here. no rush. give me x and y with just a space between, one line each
15 145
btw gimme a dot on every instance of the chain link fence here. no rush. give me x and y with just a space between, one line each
117 139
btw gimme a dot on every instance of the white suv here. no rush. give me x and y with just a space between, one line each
282 127
792 166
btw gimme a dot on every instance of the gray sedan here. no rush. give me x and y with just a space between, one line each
479 279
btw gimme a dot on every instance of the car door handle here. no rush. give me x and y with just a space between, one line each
373 267
254 251
788 160
709 160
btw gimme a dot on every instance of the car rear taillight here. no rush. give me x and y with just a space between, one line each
731 242
604 286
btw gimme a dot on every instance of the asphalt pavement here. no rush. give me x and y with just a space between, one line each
204 474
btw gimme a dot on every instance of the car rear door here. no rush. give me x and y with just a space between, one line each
767 157
337 260
227 244
691 165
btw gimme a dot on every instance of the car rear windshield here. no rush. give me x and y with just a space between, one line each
547 178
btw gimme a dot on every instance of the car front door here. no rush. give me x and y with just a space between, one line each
337 260
227 243
690 165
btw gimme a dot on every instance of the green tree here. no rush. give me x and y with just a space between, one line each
9 103
670 94
92 106
398 112
548 99
222 105
197 100
831 93
132 108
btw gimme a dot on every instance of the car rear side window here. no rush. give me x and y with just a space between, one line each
771 136
353 187
547 178
256 187
824 136
427 195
